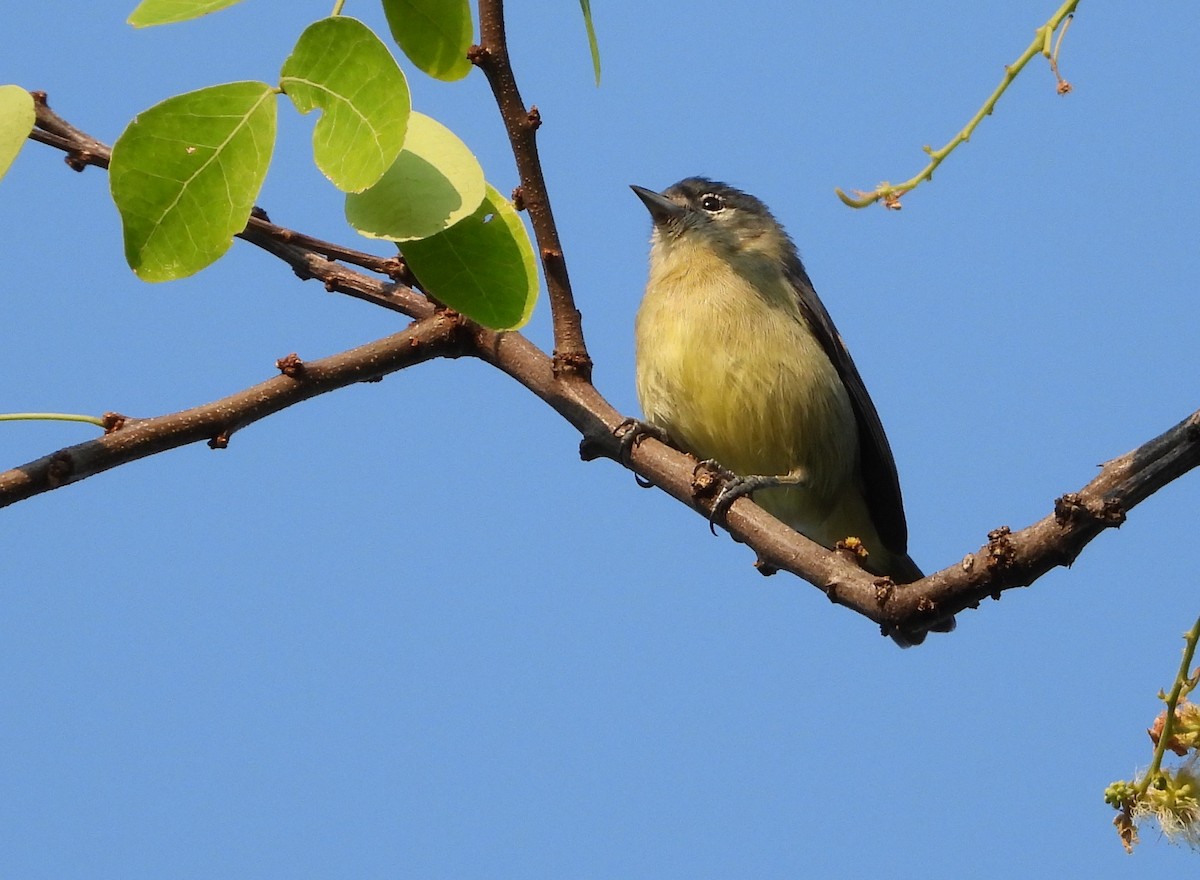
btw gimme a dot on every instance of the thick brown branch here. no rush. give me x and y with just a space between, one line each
491 56
438 335
1008 560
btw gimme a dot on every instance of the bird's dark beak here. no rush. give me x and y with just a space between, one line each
662 209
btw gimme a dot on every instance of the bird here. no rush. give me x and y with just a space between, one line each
738 362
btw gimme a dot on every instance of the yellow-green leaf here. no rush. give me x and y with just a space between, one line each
484 266
16 121
152 12
435 182
340 66
186 172
434 34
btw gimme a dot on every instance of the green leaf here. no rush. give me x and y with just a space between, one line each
185 175
340 66
484 266
16 121
434 183
152 12
593 46
434 34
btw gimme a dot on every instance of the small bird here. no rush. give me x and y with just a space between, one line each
738 361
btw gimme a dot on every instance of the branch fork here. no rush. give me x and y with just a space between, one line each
1008 560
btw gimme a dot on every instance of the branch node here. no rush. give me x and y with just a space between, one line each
78 160
518 198
853 548
573 364
1068 508
534 117
113 422
304 273
1000 551
291 366
60 470
460 333
765 568
706 480
1112 513
884 589
592 447
477 54
1074 508
221 441
398 270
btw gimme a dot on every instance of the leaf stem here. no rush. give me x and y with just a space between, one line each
51 417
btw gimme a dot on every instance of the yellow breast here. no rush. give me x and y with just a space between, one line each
728 367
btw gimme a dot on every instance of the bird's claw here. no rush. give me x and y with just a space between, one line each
733 487
630 433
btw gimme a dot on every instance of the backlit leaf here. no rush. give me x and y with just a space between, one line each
434 34
186 172
434 182
16 121
483 266
341 67
152 12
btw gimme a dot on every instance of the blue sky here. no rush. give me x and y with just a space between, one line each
401 631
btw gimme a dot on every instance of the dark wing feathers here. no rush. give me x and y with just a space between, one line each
882 485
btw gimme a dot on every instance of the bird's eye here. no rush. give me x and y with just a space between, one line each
712 203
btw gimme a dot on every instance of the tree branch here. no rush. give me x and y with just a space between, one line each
393 267
890 194
51 129
491 56
438 335
1008 560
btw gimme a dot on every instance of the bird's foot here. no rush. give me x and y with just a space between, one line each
735 486
630 433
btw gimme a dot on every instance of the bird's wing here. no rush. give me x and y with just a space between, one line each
882 485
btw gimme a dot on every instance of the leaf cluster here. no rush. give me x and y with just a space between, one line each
186 173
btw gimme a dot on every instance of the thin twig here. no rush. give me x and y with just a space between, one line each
439 335
81 148
890 194
1183 679
491 56
393 267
